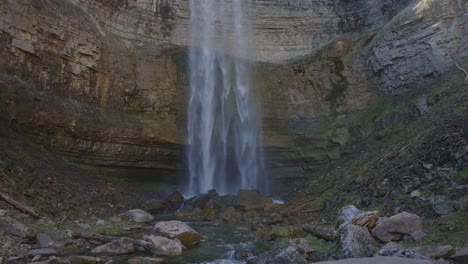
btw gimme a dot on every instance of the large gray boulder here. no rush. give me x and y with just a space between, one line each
396 227
177 230
165 246
356 242
295 251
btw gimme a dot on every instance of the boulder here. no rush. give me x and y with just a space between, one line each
209 200
252 200
396 227
16 228
295 251
138 216
435 252
119 246
179 230
356 242
230 215
156 206
347 214
145 260
175 199
165 246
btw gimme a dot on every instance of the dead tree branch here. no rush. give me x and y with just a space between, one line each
21 207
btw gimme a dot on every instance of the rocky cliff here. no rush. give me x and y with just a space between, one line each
104 81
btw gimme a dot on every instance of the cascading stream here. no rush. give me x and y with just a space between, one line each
224 125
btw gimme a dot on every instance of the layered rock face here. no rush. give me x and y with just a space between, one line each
105 81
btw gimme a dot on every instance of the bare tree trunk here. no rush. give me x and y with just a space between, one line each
326 233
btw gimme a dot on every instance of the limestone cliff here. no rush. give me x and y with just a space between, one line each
104 81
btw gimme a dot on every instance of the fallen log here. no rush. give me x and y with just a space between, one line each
326 233
21 207
105 239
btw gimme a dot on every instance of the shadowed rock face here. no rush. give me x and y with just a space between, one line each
104 81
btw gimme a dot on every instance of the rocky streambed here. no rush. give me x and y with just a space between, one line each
209 228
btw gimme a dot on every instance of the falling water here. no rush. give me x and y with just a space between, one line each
224 126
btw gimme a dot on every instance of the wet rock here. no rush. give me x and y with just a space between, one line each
42 252
395 227
294 251
82 260
15 228
436 252
138 216
461 255
44 240
441 205
252 200
176 199
165 246
418 235
356 242
145 260
156 206
179 230
230 215
119 246
210 200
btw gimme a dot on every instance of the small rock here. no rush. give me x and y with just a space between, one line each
442 261
418 235
415 194
145 260
100 222
83 225
42 252
119 246
3 212
435 252
356 242
44 240
441 205
165 246
241 254
395 227
391 249
295 251
179 230
139 216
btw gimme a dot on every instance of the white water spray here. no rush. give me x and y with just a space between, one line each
224 126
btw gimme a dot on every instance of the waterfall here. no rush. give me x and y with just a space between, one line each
224 125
